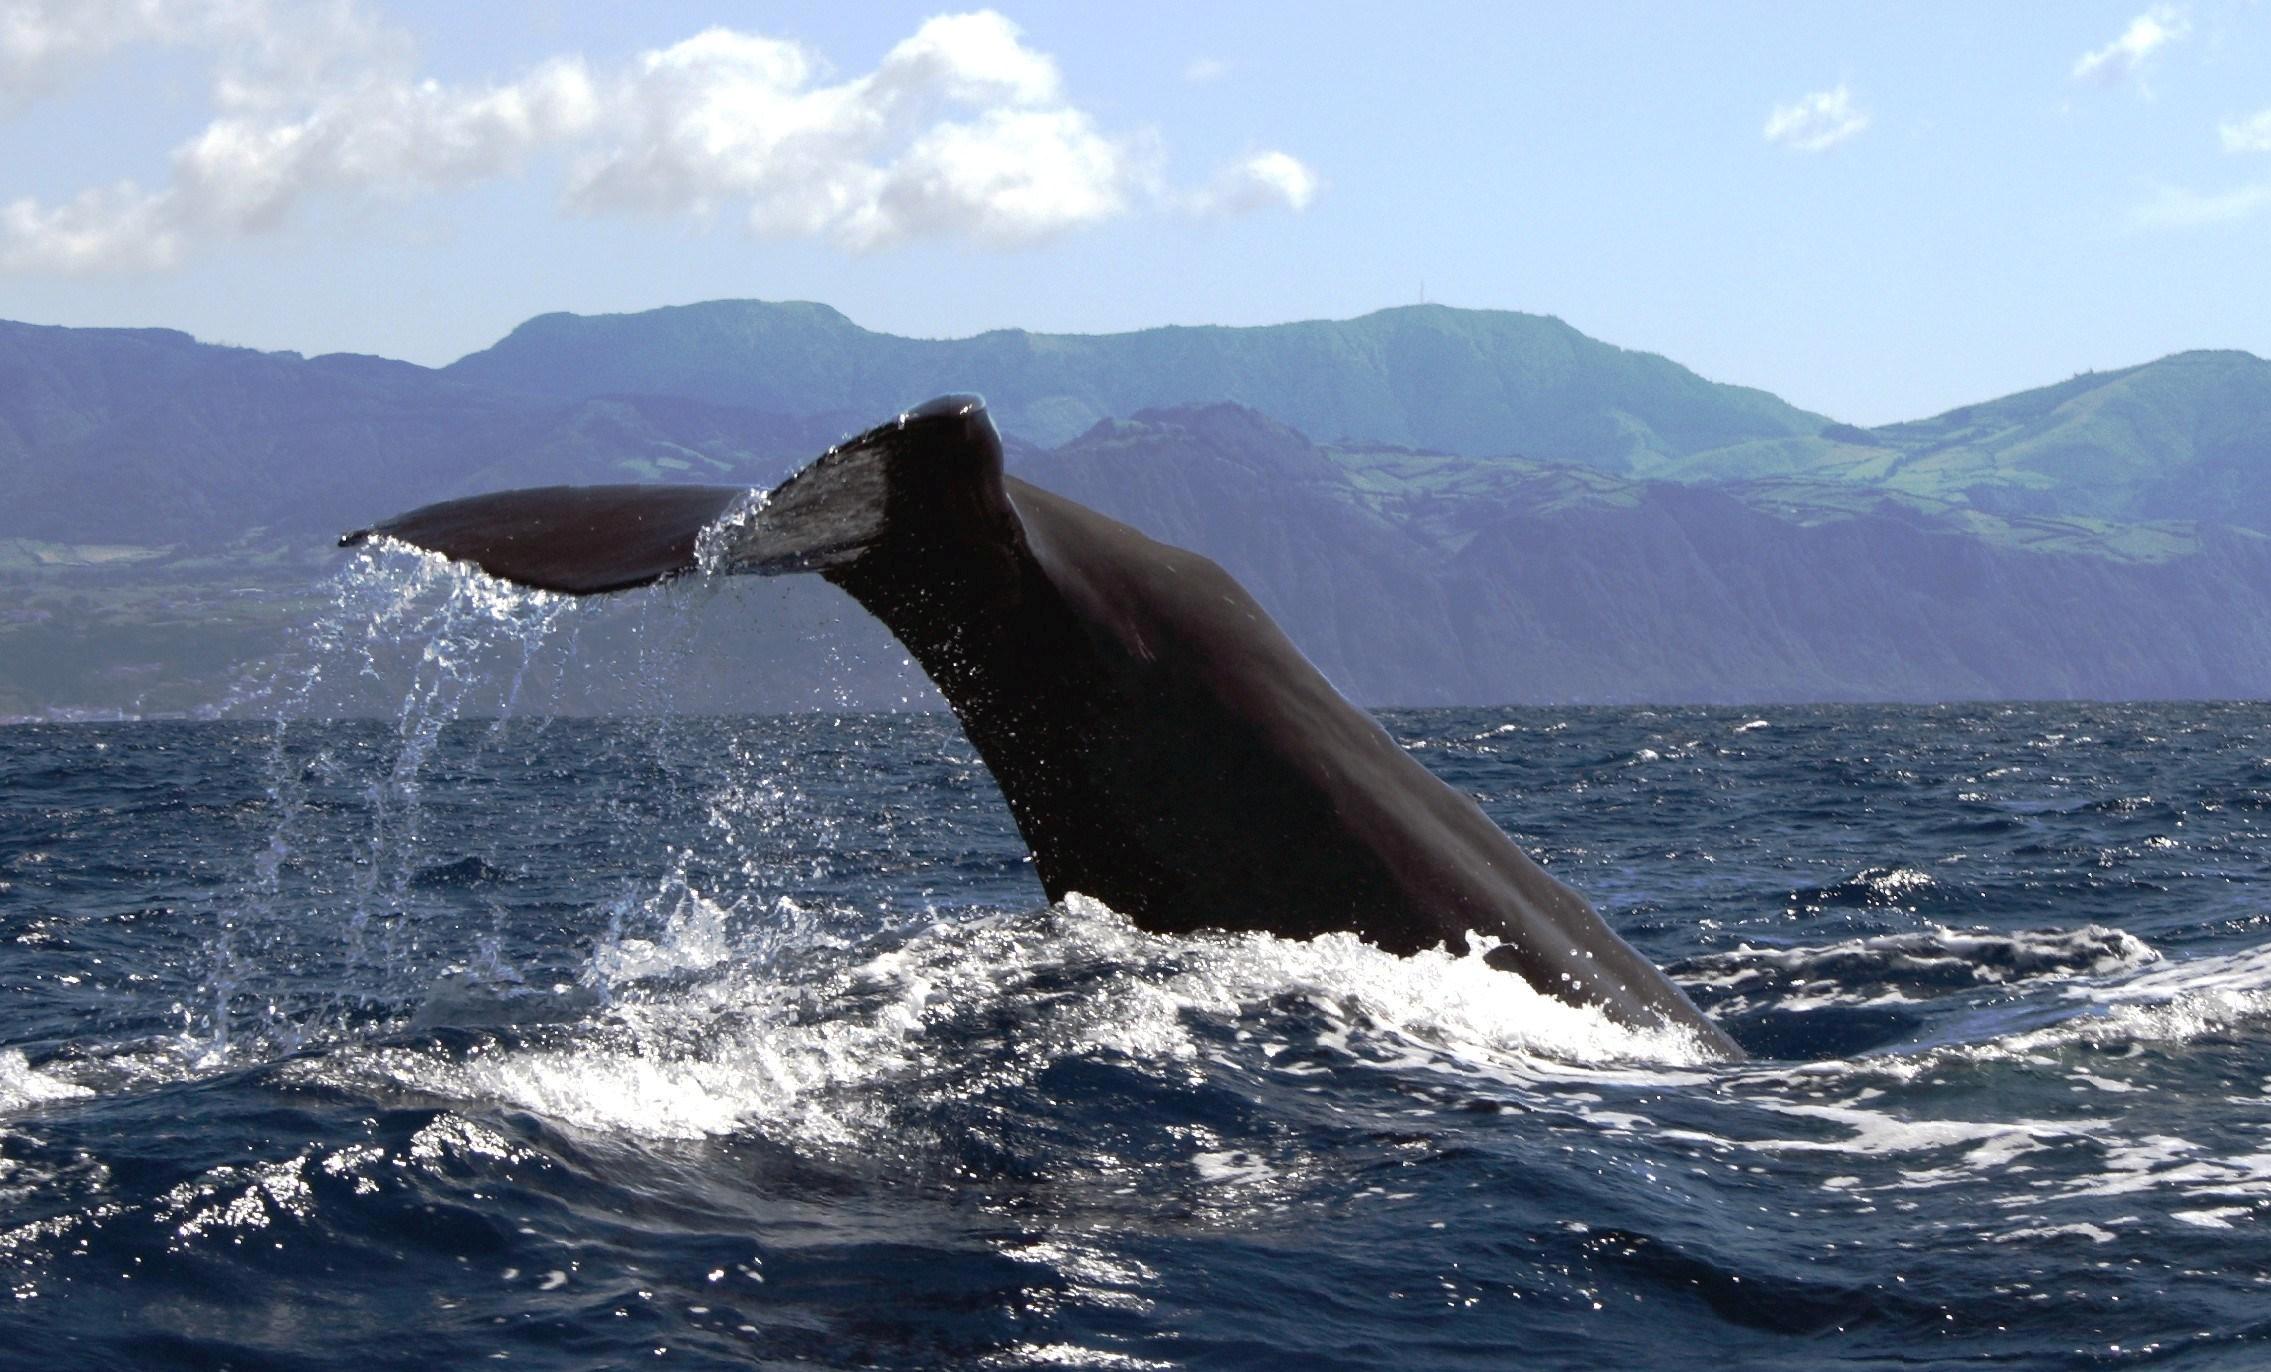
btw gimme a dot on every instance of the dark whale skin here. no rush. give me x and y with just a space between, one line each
1162 745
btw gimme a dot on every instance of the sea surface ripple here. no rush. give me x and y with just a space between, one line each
731 1042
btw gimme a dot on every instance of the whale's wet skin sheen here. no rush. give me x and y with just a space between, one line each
1161 743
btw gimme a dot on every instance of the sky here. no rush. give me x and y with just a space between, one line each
1876 212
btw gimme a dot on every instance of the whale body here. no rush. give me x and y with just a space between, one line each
1162 745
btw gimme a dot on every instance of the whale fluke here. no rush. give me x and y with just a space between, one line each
922 468
1161 744
583 540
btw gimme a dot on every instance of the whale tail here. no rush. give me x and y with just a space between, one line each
910 473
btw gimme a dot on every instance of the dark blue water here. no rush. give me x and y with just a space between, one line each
422 1042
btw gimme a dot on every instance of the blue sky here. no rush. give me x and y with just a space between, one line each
1875 212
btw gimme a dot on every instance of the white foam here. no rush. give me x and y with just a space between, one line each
829 1058
1031 1354
1235 1167
2214 1217
694 939
1893 968
23 1085
1434 1003
2160 1163
2162 1001
1986 1144
2094 1233
2244 973
2154 1000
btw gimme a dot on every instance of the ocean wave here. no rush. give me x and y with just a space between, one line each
691 1044
1894 968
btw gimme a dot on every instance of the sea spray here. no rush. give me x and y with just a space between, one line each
323 933
419 678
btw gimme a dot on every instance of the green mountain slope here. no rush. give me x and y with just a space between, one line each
2185 437
1467 381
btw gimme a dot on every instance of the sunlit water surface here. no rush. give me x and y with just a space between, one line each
462 1035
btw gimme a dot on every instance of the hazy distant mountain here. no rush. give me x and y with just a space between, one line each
146 436
1429 578
1467 381
172 506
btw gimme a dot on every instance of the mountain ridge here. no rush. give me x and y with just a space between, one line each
1473 381
2186 436
174 504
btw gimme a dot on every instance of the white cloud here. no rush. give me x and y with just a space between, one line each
962 131
2125 56
1009 177
1267 180
106 229
970 58
262 48
245 173
2173 207
44 42
2252 134
1816 123
1203 70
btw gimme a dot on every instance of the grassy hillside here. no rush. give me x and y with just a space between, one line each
2186 437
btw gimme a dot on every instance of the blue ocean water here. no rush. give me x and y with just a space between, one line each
428 1040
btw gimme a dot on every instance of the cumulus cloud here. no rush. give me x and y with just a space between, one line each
2174 207
1203 70
2127 55
963 131
2252 134
1267 180
105 229
246 172
263 49
1816 123
45 42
